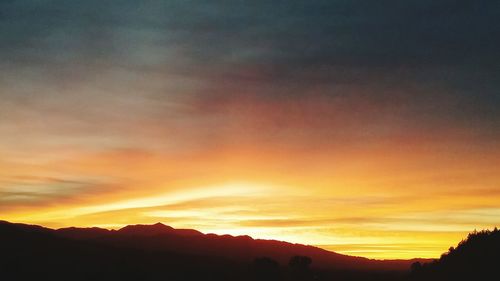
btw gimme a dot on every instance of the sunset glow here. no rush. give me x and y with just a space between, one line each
278 125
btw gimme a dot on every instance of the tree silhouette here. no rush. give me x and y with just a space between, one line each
416 268
474 258
265 268
299 266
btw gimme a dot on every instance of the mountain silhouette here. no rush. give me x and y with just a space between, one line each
82 233
243 248
160 252
156 229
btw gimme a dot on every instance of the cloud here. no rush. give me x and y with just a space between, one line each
31 191
422 65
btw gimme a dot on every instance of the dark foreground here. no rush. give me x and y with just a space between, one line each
159 252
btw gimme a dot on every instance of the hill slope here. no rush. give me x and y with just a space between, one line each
474 258
159 237
153 252
242 248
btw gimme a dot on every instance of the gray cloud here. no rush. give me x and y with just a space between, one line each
420 63
36 191
300 33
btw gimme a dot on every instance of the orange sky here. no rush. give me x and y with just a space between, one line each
382 200
355 128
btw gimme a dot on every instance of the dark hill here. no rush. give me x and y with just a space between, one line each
475 258
242 248
82 233
36 253
154 230
160 252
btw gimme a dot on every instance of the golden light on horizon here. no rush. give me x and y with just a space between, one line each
263 211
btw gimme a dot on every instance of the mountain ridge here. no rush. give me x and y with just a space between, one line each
161 237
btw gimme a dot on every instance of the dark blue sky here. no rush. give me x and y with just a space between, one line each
286 47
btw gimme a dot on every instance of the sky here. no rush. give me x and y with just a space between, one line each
369 128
